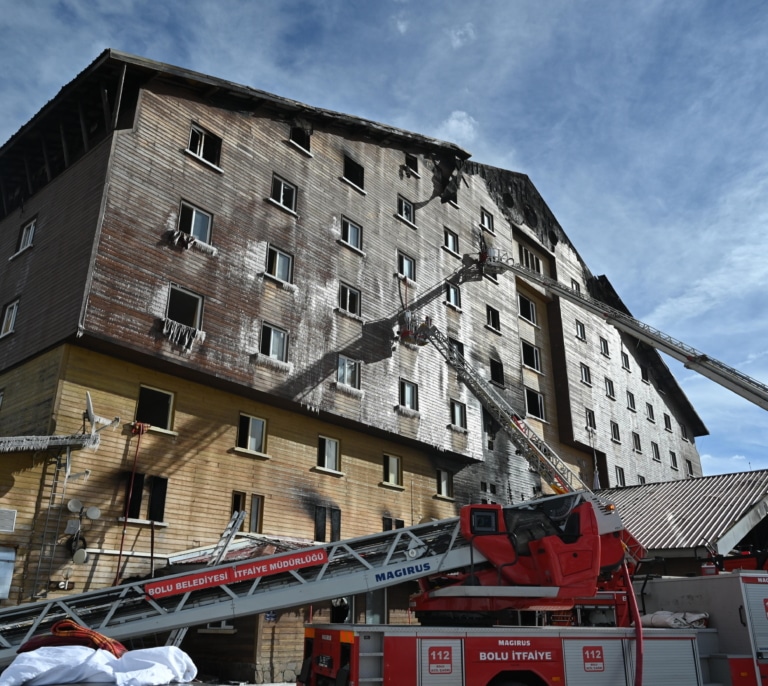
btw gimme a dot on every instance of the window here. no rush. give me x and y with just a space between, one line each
354 172
412 163
486 220
644 375
649 412
348 372
154 407
591 423
609 390
283 193
581 331
490 491
205 145
586 374
631 401
184 307
195 222
667 422
392 471
251 433
257 514
534 403
531 356
328 453
279 264
152 490
615 434
390 523
673 459
349 299
351 233
604 347
405 210
636 446
620 481
497 372
274 343
625 360
406 266
655 451
238 504
26 235
322 515
409 395
301 137
458 414
575 286
444 483
490 429
529 260
526 308
451 241
492 318
453 295
9 317
684 432
689 469
456 346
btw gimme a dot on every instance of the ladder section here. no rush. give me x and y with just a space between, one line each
248 587
555 472
719 372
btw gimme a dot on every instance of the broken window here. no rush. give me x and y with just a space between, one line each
390 523
284 193
252 433
257 513
184 307
534 403
279 264
300 137
274 343
154 407
26 235
349 299
453 295
392 472
322 514
195 222
531 355
354 172
9 318
205 145
412 164
492 318
409 395
351 233
405 210
458 414
497 372
526 308
328 453
348 371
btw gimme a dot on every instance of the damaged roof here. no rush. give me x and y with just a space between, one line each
679 518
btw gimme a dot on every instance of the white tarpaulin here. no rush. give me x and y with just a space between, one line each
77 664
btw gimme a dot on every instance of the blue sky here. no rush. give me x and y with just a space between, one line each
643 125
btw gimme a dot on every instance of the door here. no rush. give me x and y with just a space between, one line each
441 662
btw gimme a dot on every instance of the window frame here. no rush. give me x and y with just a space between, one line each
610 389
451 241
444 483
637 445
689 469
406 210
458 411
530 307
615 432
26 235
631 401
586 374
620 478
667 422
392 470
277 193
299 140
650 413
486 221
625 360
529 259
194 211
492 318
453 296
536 366
256 514
350 299
323 456
272 329
200 151
604 348
346 224
353 172
581 330
655 451
169 414
274 257
530 395
408 395
673 460
172 308
496 370
343 366
404 260
10 314
246 437
591 420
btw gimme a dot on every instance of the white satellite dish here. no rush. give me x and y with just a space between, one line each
74 505
80 556
92 418
93 513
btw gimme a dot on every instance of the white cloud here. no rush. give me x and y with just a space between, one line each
459 127
462 36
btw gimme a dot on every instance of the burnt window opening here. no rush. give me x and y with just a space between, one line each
492 318
300 137
497 372
154 407
526 308
391 523
411 165
490 428
354 172
145 496
534 403
531 356
184 307
205 145
322 515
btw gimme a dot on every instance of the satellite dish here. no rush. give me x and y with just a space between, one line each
74 505
89 409
80 556
92 418
93 513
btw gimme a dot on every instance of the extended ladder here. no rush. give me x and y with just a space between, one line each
248 587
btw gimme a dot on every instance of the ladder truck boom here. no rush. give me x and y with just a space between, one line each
756 392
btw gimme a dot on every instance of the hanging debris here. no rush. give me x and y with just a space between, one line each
187 241
181 334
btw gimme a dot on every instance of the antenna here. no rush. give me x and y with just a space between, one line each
93 419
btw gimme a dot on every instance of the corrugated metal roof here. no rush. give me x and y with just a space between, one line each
678 516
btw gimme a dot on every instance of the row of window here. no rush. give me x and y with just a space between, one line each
621 478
